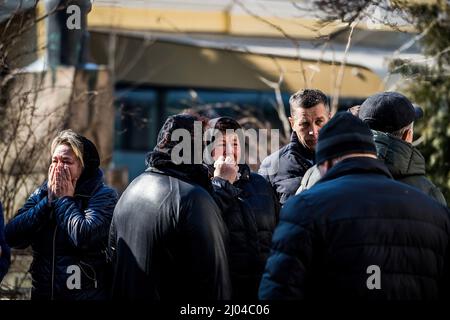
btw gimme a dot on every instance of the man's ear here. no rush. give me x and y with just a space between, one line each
408 135
291 121
405 135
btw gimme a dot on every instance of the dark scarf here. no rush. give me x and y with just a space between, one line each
300 148
91 160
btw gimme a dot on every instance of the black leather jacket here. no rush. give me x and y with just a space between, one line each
167 237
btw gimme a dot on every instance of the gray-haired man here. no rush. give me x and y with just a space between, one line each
391 117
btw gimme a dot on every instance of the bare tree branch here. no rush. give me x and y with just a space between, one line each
340 76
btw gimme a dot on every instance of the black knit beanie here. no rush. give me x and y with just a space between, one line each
344 134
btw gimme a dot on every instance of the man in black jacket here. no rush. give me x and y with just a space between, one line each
285 168
357 233
167 235
391 117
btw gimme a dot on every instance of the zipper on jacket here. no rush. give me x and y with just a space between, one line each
53 262
94 277
54 255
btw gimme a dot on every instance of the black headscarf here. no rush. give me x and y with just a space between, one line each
160 157
91 160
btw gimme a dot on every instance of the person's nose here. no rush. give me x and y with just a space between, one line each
229 150
315 130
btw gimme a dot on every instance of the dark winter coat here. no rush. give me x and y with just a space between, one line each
285 168
5 257
405 163
71 231
250 211
356 217
167 237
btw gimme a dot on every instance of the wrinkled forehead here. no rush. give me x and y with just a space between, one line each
318 111
63 150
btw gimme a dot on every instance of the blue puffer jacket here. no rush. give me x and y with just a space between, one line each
5 256
68 237
357 217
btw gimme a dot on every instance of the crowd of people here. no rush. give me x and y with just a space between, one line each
344 210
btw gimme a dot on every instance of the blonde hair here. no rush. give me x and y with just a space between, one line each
71 139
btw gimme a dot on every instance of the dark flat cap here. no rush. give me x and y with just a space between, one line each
388 112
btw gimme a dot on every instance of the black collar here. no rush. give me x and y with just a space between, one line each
191 173
89 184
298 147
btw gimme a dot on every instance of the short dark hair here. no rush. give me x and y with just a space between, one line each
224 123
308 98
